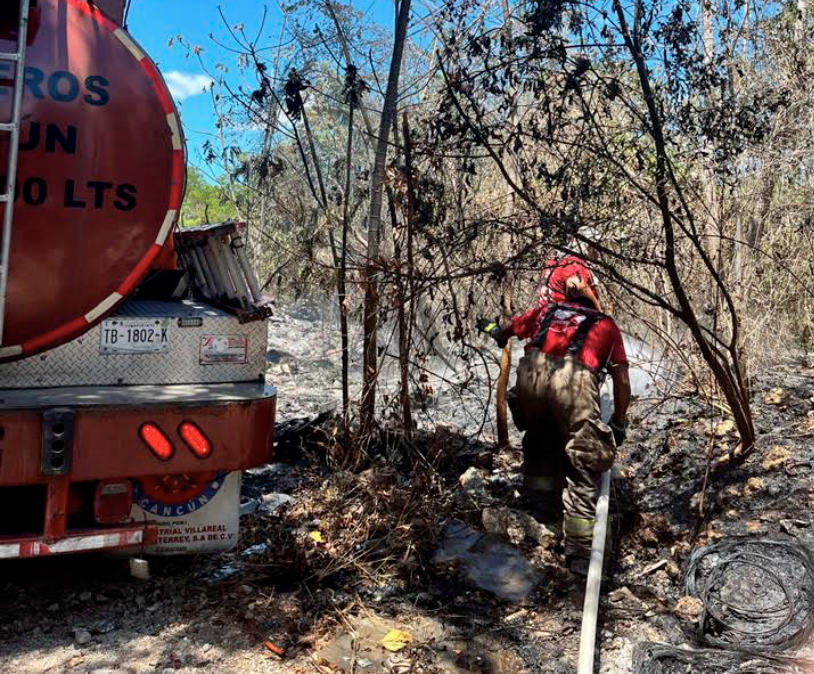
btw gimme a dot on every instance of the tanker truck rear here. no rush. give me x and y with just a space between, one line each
132 354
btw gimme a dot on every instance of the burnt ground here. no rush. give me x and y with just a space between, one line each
324 577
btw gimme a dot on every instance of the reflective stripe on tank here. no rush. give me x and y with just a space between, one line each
78 325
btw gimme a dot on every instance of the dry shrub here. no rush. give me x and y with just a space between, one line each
373 527
377 530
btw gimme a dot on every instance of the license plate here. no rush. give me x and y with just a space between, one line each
134 335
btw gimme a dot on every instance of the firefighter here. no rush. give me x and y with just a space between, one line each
556 401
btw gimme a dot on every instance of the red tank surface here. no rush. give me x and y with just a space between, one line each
100 175
113 8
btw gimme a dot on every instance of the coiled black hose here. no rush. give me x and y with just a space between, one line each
757 594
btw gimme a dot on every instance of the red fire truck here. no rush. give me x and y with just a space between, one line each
132 353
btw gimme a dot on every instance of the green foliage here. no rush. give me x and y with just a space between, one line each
205 202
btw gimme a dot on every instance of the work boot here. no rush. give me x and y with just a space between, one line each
578 565
547 516
541 507
542 499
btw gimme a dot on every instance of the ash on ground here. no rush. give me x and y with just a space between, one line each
419 559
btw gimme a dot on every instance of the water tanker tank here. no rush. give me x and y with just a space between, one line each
100 175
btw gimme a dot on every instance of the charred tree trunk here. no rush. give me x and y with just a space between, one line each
406 318
374 224
725 366
342 279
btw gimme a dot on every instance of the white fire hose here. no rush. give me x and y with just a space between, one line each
590 610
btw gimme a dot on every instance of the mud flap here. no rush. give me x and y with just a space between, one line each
206 521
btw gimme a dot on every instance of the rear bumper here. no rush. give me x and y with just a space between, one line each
237 419
134 536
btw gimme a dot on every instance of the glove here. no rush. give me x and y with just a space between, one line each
619 432
488 325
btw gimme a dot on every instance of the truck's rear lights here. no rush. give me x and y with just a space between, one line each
113 502
158 442
195 439
57 441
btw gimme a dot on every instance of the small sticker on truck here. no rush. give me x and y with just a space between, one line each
134 335
217 349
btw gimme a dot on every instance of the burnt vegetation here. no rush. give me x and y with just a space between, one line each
417 177
404 177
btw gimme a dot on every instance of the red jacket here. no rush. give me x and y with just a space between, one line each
603 346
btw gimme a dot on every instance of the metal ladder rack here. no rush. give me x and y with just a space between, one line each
13 129
215 256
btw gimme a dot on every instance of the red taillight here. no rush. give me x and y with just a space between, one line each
113 502
157 441
195 439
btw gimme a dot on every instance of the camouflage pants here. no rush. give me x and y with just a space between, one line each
566 447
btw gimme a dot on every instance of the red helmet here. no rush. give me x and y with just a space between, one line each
557 274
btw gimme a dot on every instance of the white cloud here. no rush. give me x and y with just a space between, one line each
186 85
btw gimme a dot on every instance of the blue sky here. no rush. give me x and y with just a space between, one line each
154 22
